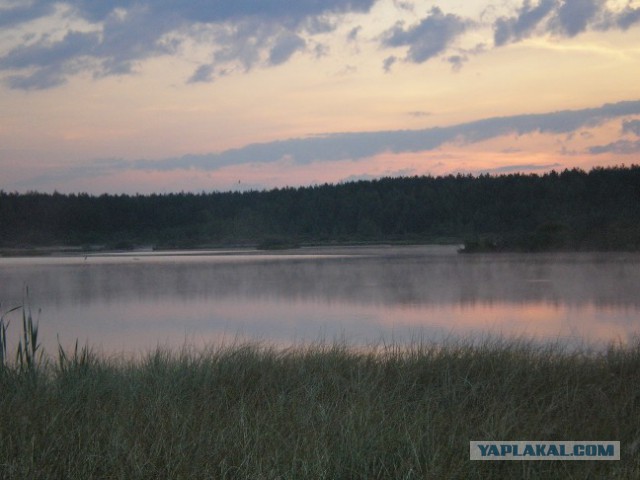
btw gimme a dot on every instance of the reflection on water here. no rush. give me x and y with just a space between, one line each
135 301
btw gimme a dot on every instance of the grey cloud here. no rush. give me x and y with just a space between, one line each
404 5
477 50
285 47
246 41
21 14
388 63
114 51
48 63
631 126
214 11
353 146
243 42
347 70
507 29
573 16
317 25
244 32
405 172
565 18
457 61
97 10
520 167
321 50
127 41
627 18
352 36
359 178
428 38
39 80
419 113
586 134
46 53
623 147
203 74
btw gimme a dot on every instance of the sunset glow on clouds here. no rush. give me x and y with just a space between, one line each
143 96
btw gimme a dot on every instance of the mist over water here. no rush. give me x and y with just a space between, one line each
136 301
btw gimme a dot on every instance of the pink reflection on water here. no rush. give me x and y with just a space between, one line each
138 326
589 323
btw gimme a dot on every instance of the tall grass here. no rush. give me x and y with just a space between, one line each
4 324
28 351
324 411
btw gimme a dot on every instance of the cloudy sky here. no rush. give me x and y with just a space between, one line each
129 96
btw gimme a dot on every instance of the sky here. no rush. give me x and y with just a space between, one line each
142 96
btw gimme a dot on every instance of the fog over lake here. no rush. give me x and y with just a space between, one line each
134 302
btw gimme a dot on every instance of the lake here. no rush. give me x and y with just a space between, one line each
136 301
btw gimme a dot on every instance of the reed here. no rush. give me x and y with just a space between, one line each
4 324
28 347
321 411
79 360
28 350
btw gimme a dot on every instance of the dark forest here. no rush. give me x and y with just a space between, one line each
568 210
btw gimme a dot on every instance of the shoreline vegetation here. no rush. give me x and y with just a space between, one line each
571 210
322 411
269 244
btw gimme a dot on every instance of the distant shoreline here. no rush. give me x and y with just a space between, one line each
41 251
461 248
572 210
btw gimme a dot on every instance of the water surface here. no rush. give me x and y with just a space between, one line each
134 302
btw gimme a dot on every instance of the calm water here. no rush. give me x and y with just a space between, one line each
134 302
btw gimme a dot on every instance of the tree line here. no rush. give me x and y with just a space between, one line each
571 209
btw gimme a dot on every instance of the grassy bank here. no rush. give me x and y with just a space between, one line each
248 411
